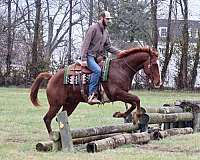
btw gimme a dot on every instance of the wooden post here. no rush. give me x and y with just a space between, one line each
196 122
66 138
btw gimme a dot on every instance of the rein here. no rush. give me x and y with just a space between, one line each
132 69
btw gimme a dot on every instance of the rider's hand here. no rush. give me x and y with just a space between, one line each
84 63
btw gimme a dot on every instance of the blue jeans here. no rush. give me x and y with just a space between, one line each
95 76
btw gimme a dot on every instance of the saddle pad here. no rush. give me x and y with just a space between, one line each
81 78
105 70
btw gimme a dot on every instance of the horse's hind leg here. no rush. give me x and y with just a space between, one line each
53 110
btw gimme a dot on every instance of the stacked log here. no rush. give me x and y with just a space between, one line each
85 135
88 132
172 117
170 132
118 140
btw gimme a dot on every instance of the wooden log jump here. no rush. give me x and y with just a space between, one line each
119 139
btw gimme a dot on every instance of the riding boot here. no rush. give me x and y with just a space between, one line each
92 99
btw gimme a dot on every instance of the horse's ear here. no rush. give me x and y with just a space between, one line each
155 51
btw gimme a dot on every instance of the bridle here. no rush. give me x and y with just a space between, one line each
135 71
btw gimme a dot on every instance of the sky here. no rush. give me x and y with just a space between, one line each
193 7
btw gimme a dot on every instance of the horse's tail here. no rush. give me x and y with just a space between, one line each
35 87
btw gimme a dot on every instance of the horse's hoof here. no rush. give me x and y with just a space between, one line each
135 118
51 136
117 115
143 110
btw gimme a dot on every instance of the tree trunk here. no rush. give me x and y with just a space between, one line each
196 62
167 54
105 4
9 45
69 58
182 75
91 12
154 23
34 69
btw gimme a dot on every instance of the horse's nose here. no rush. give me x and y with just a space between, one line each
158 85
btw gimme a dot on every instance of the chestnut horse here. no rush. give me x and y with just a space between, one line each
121 73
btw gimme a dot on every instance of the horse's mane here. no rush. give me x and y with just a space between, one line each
127 52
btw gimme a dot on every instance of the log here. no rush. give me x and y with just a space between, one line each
116 141
44 146
170 109
170 132
93 138
172 117
87 132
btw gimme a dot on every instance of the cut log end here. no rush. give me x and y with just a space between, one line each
44 146
91 148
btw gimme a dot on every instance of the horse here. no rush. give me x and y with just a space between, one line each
121 72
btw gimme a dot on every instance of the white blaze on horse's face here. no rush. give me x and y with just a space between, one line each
158 84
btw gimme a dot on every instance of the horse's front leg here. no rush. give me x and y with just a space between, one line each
120 95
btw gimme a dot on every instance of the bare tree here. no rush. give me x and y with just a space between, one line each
168 54
91 12
9 43
70 33
154 4
182 75
34 69
57 36
196 62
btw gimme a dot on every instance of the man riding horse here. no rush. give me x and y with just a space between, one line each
120 75
95 43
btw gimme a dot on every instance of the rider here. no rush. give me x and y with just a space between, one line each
95 43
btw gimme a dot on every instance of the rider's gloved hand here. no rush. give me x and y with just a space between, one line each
84 63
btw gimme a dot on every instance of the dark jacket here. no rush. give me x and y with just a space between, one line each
96 41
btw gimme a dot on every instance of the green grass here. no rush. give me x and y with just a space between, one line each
21 127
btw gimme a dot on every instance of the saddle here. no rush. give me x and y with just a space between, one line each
76 74
76 68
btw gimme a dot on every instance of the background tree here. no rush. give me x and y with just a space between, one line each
196 63
182 75
154 4
9 43
34 69
168 51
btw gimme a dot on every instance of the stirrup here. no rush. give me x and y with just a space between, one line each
93 100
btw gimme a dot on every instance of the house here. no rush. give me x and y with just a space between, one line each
176 33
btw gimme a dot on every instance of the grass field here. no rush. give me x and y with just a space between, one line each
21 127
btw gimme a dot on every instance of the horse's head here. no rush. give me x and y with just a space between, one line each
152 69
